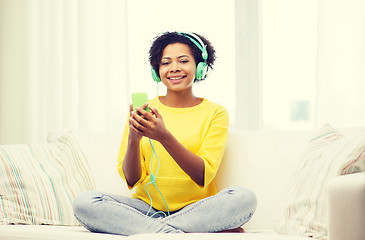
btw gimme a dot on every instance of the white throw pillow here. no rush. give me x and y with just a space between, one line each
38 182
330 153
101 150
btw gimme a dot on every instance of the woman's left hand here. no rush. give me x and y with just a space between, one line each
149 124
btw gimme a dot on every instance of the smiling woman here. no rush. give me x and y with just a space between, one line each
171 155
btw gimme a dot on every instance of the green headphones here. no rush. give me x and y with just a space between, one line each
202 67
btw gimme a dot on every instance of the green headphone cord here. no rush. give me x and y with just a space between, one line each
154 176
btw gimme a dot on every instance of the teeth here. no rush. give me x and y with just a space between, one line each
176 78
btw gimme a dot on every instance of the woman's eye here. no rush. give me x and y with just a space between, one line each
184 61
165 63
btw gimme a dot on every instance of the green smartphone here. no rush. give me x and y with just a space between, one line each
139 99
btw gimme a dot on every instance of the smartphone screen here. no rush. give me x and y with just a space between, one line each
139 99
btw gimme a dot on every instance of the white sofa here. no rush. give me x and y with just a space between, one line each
261 161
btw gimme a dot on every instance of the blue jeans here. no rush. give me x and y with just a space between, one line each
115 214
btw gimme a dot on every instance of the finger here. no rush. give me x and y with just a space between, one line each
145 121
137 116
155 112
135 120
136 130
145 106
130 109
146 115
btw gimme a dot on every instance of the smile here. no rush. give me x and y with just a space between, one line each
176 78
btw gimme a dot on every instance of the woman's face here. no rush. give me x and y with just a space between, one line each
177 67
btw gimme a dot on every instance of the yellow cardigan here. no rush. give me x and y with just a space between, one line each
202 129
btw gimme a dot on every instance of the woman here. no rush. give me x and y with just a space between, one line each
171 155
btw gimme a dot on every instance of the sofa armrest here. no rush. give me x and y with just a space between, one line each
347 207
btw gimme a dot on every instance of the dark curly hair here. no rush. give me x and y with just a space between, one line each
162 40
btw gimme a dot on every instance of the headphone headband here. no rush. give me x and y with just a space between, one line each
200 45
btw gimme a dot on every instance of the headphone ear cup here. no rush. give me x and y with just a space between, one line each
155 76
201 70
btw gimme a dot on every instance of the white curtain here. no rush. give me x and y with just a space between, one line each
71 64
63 65
341 63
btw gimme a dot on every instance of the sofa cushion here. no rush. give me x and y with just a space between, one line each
262 161
21 232
330 153
38 182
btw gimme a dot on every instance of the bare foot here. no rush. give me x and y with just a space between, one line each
236 230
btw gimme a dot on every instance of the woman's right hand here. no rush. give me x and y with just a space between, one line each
133 132
131 162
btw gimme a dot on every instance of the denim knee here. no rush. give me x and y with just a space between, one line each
246 196
83 203
245 201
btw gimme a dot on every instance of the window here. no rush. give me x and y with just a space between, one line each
288 58
267 71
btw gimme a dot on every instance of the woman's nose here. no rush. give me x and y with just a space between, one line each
174 67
